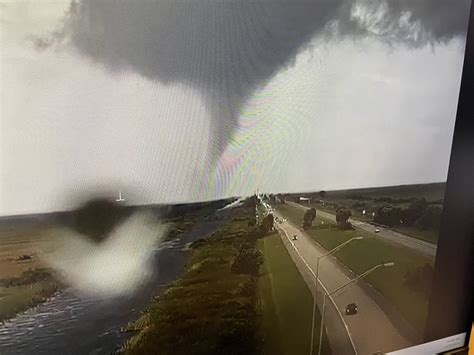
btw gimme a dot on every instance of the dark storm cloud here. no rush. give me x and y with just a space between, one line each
226 49
441 20
413 22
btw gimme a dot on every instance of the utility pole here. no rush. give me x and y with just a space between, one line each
354 280
340 246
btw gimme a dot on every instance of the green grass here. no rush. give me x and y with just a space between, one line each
209 309
430 236
286 303
360 255
369 199
14 300
25 285
295 216
432 192
19 293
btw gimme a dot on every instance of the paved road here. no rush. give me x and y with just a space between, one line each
425 248
370 329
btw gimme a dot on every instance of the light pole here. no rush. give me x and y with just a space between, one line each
355 279
342 245
332 251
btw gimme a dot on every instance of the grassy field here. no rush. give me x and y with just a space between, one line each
213 309
372 199
13 245
432 192
361 255
430 236
24 281
14 300
295 216
286 303
209 309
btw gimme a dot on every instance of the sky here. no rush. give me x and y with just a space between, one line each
187 101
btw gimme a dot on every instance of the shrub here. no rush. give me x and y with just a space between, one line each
247 261
308 218
267 224
389 216
27 277
431 218
342 217
414 211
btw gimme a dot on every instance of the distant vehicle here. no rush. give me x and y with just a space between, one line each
294 237
351 308
377 230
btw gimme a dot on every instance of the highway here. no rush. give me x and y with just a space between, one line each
425 248
368 331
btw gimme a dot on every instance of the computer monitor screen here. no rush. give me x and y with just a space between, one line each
235 177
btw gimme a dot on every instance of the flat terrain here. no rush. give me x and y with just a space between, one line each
286 302
429 236
24 278
372 199
361 255
431 191
15 244
210 308
387 234
370 329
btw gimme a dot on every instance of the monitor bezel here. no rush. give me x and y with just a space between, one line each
450 308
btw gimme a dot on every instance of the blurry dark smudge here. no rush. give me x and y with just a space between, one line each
96 218
105 249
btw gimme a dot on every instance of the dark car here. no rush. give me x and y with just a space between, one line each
351 308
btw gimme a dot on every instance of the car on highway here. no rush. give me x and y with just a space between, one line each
376 230
351 308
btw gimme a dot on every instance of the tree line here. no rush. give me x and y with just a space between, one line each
419 213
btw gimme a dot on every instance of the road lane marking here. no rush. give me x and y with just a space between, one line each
395 237
325 289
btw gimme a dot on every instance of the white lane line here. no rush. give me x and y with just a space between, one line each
325 289
396 237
